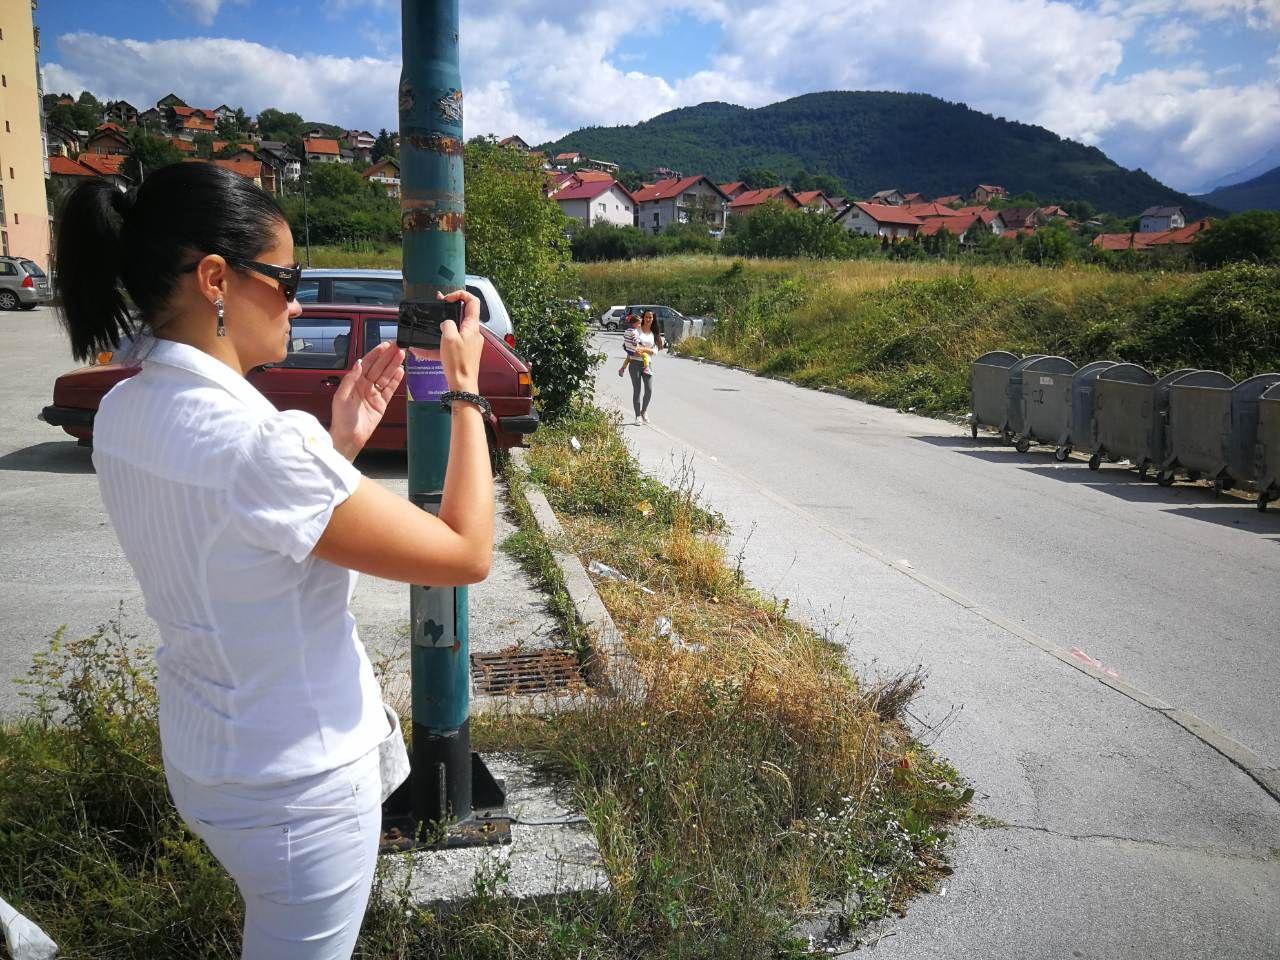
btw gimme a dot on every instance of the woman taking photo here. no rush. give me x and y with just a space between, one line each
644 341
246 527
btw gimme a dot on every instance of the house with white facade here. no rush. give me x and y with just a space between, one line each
680 200
878 220
387 173
323 150
597 201
1162 219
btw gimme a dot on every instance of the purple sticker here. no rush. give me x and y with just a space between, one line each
424 378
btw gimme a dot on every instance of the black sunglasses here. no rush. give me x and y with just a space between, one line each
289 278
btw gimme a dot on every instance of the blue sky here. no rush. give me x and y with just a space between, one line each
1186 89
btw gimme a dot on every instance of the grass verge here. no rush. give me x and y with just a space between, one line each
751 779
905 334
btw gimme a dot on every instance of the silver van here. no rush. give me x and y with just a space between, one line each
23 285
386 287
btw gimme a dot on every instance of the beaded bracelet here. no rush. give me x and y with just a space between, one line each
447 399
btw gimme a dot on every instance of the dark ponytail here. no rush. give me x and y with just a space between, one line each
140 240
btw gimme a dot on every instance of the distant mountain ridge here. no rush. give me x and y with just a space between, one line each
1256 169
1260 193
873 141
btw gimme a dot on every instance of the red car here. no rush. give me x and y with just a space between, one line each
325 342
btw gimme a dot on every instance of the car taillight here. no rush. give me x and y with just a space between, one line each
510 340
524 383
28 283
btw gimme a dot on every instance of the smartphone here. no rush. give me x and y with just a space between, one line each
419 322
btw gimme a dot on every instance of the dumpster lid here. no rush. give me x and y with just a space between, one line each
1129 373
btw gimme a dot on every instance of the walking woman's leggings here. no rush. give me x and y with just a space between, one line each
638 376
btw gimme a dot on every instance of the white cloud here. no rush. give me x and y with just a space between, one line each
1172 37
541 71
204 12
206 71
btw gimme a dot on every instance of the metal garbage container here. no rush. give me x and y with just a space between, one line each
1131 410
989 390
1246 398
697 327
1046 404
1015 416
1267 448
1199 427
1083 436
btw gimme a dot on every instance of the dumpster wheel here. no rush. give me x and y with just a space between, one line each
1095 461
1143 467
1262 503
1061 454
973 429
1022 445
1165 479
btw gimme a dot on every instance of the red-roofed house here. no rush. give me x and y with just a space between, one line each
1145 241
957 226
682 200
597 201
322 150
752 200
109 166
109 140
386 172
926 210
817 201
516 142
986 192
557 180
914 198
564 160
66 171
878 220
249 169
733 190
185 147
949 200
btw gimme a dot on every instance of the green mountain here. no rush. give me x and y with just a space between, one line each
1260 193
875 141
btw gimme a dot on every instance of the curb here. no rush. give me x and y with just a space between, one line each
608 665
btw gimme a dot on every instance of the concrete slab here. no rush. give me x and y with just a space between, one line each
553 850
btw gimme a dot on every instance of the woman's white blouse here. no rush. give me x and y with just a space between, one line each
218 499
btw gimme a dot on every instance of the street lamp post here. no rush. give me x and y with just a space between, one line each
449 785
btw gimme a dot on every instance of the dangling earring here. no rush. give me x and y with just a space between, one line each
222 322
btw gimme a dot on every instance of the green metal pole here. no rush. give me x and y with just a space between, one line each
445 775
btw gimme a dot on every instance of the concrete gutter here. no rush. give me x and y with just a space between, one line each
608 666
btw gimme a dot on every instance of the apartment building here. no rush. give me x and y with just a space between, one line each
24 206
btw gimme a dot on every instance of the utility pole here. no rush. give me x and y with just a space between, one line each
449 786
306 217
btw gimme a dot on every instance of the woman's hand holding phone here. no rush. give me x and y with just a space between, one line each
462 344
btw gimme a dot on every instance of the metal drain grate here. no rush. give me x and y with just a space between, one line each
526 671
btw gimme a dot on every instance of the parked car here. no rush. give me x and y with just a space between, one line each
666 318
23 285
612 318
386 288
324 344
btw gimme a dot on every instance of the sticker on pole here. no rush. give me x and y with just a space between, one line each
424 377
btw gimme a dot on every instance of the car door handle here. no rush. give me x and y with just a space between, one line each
330 383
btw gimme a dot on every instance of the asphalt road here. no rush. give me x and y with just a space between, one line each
1110 829
61 566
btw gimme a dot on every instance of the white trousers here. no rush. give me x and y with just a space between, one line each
302 853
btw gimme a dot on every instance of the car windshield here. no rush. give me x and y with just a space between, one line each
32 268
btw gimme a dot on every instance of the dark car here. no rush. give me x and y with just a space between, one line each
324 344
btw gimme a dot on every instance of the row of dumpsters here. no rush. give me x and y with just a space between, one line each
1198 424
